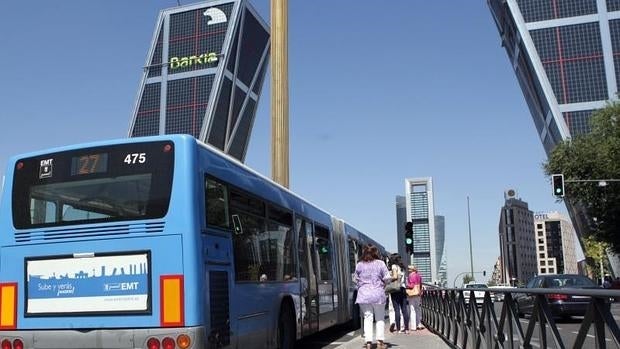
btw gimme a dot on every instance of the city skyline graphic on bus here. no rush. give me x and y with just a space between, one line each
122 280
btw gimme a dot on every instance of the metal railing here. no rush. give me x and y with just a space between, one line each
447 313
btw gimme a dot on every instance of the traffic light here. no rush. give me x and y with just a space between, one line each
409 242
409 238
558 184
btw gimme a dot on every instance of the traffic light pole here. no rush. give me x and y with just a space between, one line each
558 181
601 182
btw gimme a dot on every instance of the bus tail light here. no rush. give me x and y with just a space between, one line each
8 307
171 300
152 343
18 344
167 343
183 341
6 344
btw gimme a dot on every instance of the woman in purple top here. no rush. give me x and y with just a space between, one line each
371 273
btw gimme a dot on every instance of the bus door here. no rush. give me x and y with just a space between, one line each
307 276
325 276
217 258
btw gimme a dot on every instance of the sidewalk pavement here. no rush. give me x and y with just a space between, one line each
415 339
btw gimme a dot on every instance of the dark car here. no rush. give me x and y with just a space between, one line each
561 305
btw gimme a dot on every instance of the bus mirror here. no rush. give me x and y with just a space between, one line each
237 224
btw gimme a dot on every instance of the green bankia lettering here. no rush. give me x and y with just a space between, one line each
183 62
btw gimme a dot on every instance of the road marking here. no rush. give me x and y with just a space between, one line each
591 336
532 342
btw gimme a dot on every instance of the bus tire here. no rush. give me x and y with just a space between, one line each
286 327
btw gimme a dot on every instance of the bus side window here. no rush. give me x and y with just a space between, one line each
282 242
251 248
324 250
216 201
352 256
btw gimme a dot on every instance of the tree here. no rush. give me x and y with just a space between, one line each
595 155
596 252
467 279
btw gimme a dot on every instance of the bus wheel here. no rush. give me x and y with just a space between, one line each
286 327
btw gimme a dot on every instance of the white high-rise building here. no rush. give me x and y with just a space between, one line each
555 244
440 250
421 212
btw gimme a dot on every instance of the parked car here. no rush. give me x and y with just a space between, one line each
561 305
478 294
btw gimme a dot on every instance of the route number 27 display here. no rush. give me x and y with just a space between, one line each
135 158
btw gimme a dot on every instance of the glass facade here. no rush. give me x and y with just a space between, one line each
440 255
419 211
567 54
543 10
204 74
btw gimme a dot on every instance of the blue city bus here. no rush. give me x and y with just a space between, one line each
164 243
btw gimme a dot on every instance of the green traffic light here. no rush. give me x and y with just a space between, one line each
409 241
558 190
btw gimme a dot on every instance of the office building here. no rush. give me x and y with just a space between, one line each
566 57
555 244
440 250
420 211
401 219
203 74
496 275
516 240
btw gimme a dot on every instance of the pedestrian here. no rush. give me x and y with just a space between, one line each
371 274
399 298
391 315
414 297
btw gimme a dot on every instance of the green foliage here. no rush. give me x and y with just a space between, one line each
467 279
596 251
595 155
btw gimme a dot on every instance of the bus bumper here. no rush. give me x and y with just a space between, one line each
104 338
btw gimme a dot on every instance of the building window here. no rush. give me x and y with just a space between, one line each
541 255
551 270
543 270
539 226
540 233
551 262
543 263
541 248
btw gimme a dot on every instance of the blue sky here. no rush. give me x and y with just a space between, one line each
378 93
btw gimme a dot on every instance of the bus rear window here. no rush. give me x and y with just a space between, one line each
114 183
